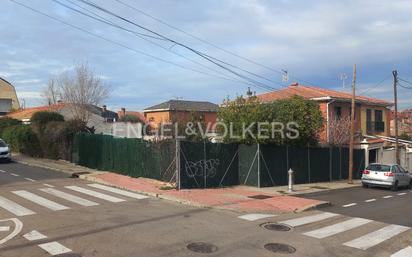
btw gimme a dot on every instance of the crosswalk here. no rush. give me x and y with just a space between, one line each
45 198
342 224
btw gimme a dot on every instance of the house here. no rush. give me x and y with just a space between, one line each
99 118
181 111
404 122
372 116
139 115
8 97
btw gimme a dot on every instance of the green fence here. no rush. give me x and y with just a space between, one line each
132 157
204 165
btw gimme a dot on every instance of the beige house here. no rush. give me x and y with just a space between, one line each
8 97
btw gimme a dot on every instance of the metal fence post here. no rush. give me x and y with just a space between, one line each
258 163
330 163
204 164
308 163
177 160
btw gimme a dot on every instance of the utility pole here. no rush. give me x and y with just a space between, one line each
395 95
352 127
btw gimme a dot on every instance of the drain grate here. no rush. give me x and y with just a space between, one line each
275 226
280 248
260 197
202 247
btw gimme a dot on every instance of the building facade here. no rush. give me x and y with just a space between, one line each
8 98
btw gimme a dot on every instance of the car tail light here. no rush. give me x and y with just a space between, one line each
388 174
365 172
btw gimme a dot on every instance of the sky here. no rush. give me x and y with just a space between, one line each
314 41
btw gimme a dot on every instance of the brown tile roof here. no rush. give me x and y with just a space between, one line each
28 112
138 115
315 92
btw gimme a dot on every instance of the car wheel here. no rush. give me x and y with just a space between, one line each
395 186
365 185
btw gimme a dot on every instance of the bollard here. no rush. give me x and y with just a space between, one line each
290 185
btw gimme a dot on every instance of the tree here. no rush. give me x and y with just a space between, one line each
339 131
80 90
250 113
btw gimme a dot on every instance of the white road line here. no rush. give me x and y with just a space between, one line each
370 200
69 197
40 200
376 237
18 226
387 196
405 252
54 248
34 235
48 185
95 194
402 194
4 228
349 205
119 191
14 174
308 219
30 179
337 228
255 216
2 171
14 207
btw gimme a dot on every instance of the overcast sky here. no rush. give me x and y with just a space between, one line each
315 41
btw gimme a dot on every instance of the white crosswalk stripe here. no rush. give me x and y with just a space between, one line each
40 200
376 237
405 252
255 216
337 228
69 197
34 235
309 219
14 208
118 191
54 248
95 194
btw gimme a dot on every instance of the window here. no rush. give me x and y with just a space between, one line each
378 115
378 167
338 112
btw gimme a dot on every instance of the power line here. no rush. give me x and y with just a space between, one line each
207 42
380 83
406 81
403 86
100 18
201 54
115 42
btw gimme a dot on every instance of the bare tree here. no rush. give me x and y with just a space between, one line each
339 131
51 92
81 89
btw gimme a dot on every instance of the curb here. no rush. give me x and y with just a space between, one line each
321 204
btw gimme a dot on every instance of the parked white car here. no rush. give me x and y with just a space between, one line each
5 151
386 175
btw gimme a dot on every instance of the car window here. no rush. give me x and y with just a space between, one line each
395 169
2 143
379 167
402 169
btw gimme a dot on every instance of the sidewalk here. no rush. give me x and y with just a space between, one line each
239 198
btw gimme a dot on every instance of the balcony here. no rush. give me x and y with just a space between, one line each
373 127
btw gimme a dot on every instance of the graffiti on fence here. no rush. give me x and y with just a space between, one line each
202 168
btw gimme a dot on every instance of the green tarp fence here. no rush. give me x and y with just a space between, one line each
205 165
132 157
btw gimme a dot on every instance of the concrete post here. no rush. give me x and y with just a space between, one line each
290 184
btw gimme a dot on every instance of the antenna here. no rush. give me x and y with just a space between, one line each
285 76
343 77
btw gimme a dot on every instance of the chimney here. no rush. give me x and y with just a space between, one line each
294 84
123 111
104 108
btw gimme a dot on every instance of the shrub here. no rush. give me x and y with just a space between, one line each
22 139
7 122
44 117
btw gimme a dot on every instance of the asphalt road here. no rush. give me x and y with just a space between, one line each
379 204
88 220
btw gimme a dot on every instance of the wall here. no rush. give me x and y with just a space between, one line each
155 118
7 91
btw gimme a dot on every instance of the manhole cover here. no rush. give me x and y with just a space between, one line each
202 247
275 226
280 248
260 196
